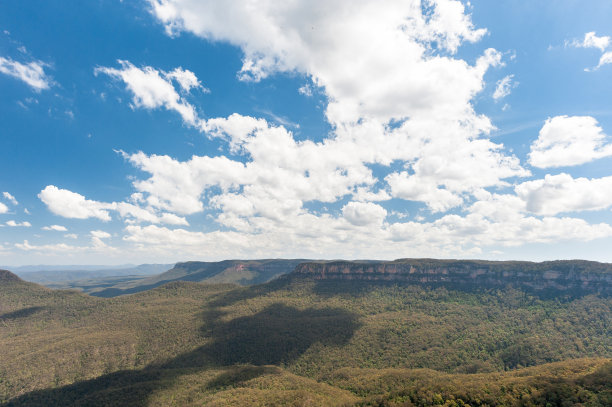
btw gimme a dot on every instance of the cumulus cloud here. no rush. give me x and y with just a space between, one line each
70 204
10 198
567 141
13 223
100 234
562 193
397 97
3 208
60 248
327 41
178 186
364 213
97 246
345 62
57 228
322 236
590 40
504 87
32 73
305 90
152 88
605 59
135 213
410 187
185 78
97 237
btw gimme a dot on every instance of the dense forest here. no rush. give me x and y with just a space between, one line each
300 340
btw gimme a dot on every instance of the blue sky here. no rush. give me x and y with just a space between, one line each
161 131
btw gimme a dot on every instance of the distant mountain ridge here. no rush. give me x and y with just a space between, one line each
76 273
560 275
241 272
64 267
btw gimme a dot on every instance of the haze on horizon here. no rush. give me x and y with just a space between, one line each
158 131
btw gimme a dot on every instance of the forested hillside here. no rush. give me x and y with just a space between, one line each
241 272
299 340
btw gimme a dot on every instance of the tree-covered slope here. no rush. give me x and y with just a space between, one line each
241 272
303 341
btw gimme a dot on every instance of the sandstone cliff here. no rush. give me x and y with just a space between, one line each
585 276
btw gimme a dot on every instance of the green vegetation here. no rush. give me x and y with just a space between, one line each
241 272
299 341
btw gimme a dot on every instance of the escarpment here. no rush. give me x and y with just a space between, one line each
569 275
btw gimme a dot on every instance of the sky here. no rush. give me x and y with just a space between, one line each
151 131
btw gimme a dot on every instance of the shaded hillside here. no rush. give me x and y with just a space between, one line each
582 382
299 340
241 272
571 276
6 275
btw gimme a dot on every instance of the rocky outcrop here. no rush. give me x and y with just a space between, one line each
570 275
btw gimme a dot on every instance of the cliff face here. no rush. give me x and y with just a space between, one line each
569 275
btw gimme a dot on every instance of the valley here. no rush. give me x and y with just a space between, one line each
309 337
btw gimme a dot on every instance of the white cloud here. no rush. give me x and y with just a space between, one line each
185 78
325 237
31 73
398 97
567 141
10 197
605 59
178 187
499 208
97 246
411 187
365 194
100 234
139 214
48 249
97 237
152 88
305 90
504 87
3 208
591 40
561 193
364 213
71 235
368 82
13 223
327 40
70 204
447 173
57 228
